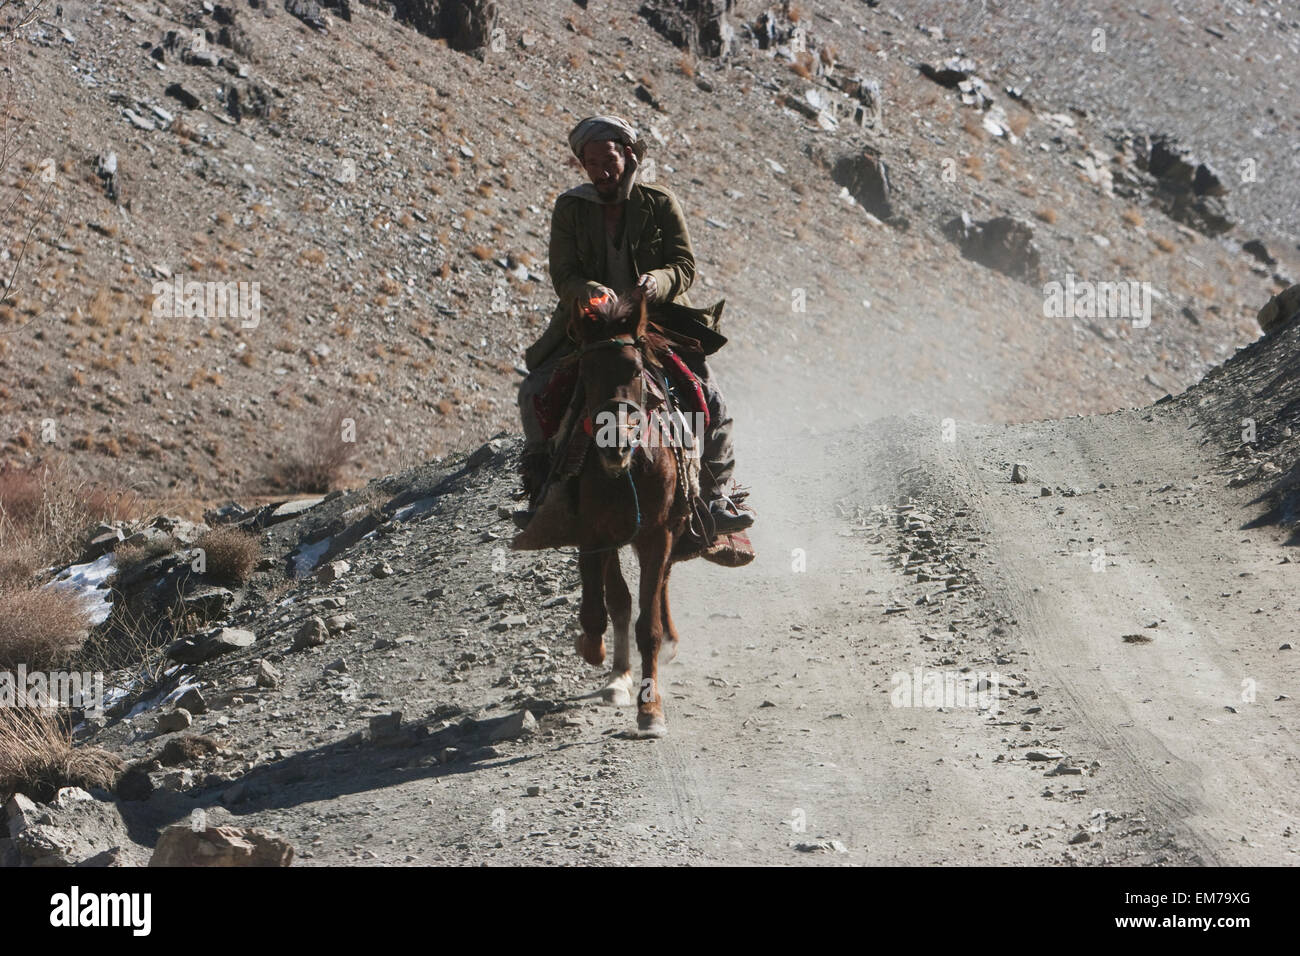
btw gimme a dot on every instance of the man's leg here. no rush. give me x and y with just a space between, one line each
718 455
535 461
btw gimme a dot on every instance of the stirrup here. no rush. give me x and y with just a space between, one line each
728 516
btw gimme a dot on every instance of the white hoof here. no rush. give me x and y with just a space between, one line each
618 692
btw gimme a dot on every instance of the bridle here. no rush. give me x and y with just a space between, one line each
623 340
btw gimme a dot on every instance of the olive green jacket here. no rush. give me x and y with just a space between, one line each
660 245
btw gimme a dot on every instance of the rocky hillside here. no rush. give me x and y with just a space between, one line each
386 179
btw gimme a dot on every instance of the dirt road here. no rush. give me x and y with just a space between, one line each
1143 621
1122 637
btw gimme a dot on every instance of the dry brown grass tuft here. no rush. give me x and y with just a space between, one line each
1132 217
230 553
1046 214
45 512
37 756
41 627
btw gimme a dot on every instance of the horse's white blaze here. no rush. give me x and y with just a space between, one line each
618 690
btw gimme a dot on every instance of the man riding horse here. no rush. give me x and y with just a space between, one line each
615 233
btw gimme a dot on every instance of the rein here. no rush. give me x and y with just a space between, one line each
617 341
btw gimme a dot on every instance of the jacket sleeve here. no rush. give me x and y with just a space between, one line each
566 272
677 273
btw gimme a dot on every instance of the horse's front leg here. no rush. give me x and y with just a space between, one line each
653 548
620 689
591 615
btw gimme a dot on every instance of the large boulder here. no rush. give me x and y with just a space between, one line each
1003 243
1280 310
466 25
698 26
184 845
1190 191
865 177
73 829
215 643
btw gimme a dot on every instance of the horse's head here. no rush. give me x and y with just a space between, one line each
611 337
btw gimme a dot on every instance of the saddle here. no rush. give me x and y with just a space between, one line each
677 393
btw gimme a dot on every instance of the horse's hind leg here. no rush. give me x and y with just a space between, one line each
591 615
621 687
653 549
668 651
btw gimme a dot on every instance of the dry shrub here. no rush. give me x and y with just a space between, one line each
40 626
45 514
37 756
314 464
230 553
1046 214
1132 217
128 556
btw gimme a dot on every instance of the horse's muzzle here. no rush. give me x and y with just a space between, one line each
616 428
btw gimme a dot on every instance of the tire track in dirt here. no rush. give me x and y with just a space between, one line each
1152 712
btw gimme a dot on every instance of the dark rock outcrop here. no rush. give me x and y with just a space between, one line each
1004 243
697 26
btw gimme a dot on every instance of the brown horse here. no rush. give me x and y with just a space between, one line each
627 494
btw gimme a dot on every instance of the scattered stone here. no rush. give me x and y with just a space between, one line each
519 724
333 571
267 675
385 725
193 701
1020 472
337 623
223 641
291 509
312 634
178 719
822 846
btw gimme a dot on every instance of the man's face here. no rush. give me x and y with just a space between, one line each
604 160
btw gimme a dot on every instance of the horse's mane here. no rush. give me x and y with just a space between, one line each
606 319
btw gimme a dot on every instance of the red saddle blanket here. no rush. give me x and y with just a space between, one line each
552 401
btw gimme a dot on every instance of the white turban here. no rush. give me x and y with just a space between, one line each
595 128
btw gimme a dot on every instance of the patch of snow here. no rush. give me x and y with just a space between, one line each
90 582
305 559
